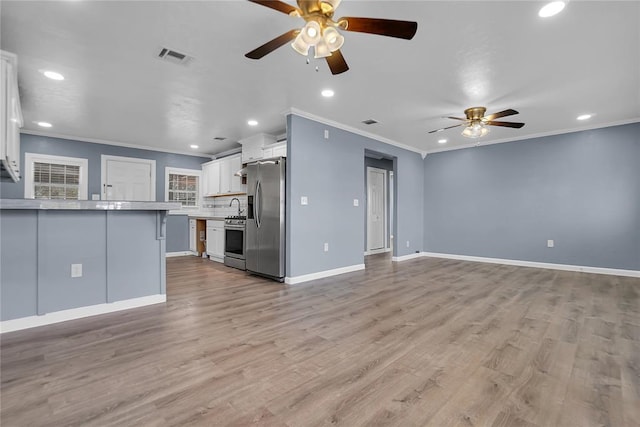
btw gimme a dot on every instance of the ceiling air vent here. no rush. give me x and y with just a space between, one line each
369 121
174 56
219 138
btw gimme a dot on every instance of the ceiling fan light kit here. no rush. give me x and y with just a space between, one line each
476 123
321 30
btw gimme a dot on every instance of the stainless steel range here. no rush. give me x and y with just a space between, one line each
234 241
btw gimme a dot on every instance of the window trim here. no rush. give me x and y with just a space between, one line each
168 170
31 158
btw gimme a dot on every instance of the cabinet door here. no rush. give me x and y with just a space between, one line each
219 242
193 247
235 163
225 176
210 240
280 151
213 178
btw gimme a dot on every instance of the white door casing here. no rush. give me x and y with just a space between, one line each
376 209
128 178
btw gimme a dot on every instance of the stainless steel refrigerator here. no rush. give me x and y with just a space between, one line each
265 233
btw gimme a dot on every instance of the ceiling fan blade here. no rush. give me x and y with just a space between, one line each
457 118
272 45
278 5
336 63
504 124
448 127
384 27
504 113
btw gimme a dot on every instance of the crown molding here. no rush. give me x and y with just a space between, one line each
537 135
114 143
310 116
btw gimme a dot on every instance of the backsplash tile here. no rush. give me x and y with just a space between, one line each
219 206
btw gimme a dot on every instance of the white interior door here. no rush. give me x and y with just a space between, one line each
376 208
127 178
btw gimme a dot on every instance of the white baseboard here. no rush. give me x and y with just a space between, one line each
182 253
407 257
216 259
322 274
377 251
548 265
77 313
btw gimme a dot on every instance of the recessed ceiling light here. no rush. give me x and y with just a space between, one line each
44 124
252 123
584 117
550 9
442 141
327 93
194 146
53 75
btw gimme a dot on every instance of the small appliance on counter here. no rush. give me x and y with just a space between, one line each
265 249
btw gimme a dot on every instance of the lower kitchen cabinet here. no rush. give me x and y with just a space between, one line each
215 240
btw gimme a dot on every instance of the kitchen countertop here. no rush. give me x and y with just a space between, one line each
97 205
214 218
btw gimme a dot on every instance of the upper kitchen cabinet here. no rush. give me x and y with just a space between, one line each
10 117
252 147
219 178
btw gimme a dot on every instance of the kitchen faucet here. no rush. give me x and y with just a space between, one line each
237 200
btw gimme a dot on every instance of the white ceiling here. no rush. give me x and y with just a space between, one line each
497 54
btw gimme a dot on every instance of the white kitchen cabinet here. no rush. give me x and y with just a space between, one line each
220 177
215 240
274 151
10 117
252 146
235 164
211 178
193 236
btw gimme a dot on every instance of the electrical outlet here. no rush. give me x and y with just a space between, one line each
550 243
407 243
326 134
304 200
356 202
326 247
76 270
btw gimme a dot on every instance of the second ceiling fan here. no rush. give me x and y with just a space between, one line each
476 122
322 33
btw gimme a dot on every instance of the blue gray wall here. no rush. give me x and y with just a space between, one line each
330 172
177 233
506 200
92 152
178 228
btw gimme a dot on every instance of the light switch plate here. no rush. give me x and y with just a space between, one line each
76 270
326 134
550 243
356 202
95 197
304 200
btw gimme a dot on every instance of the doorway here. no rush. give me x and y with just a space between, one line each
128 178
379 203
376 210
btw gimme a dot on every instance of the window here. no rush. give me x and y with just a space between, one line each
55 177
182 185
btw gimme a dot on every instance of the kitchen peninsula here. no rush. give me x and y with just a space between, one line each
65 259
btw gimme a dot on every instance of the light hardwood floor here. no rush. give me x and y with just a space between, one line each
423 342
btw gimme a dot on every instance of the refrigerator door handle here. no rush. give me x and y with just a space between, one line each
257 206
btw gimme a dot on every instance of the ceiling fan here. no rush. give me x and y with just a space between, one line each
321 30
476 122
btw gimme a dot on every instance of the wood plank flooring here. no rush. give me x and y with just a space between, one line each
426 342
